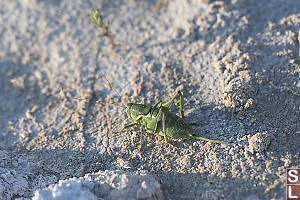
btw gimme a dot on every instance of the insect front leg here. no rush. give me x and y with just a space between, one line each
161 112
129 125
141 136
137 120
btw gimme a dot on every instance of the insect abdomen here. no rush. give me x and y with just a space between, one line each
175 126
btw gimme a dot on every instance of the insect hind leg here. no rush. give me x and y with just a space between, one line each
159 102
164 126
157 117
169 103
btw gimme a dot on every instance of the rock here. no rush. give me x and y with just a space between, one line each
114 184
68 189
12 181
259 142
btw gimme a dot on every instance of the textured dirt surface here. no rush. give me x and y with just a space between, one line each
236 62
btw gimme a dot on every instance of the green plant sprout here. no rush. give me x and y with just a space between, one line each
97 19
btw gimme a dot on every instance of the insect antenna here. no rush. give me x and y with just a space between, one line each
80 99
113 89
86 99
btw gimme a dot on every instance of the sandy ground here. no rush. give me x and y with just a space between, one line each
236 62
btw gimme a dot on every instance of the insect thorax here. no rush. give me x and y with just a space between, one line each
136 110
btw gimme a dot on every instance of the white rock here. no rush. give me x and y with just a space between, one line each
104 185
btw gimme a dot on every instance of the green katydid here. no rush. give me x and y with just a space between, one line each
158 118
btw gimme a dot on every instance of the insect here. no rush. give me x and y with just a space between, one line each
158 118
